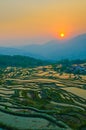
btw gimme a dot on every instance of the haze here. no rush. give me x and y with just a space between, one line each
39 21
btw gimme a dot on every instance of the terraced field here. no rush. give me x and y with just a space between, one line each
30 101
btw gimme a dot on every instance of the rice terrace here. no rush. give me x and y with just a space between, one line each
42 64
42 97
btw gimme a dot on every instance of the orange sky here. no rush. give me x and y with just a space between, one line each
31 18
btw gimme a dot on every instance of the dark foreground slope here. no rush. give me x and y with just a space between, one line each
20 61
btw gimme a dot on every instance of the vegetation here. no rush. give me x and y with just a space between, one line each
43 92
20 61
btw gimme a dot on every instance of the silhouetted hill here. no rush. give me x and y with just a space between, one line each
55 49
20 61
74 48
17 51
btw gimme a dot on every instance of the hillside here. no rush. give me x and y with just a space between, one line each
55 49
20 61
42 97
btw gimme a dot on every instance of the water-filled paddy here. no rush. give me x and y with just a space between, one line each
78 91
61 99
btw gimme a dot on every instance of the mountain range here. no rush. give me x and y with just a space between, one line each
55 49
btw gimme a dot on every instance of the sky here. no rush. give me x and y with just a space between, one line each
41 20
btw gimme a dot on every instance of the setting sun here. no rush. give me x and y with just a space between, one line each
62 35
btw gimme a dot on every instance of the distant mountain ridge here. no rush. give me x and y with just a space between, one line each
74 48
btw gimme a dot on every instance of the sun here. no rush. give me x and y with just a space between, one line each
62 35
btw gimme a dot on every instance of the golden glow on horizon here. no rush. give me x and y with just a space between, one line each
62 35
36 18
